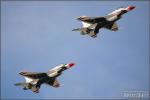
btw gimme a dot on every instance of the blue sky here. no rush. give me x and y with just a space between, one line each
36 36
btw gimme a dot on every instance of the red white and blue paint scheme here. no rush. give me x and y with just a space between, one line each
35 79
91 25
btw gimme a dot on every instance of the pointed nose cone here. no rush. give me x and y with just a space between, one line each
70 65
130 8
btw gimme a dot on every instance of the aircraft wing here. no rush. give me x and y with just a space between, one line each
93 20
30 80
85 24
20 84
54 83
112 27
33 75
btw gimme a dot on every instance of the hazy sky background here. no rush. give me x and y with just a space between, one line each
36 36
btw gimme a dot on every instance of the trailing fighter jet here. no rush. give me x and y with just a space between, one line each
91 25
35 79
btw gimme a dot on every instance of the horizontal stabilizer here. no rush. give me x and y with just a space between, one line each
77 29
20 84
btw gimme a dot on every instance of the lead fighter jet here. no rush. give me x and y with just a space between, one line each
35 79
91 25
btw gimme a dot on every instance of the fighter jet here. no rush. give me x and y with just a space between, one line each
91 25
35 79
